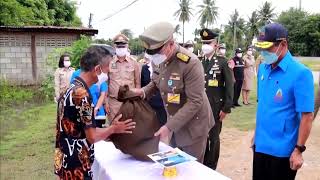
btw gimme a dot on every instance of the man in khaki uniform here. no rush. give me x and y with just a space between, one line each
123 71
180 79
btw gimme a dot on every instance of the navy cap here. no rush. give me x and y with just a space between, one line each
271 33
207 35
239 50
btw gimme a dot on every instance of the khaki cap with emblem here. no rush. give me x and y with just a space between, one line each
157 35
120 38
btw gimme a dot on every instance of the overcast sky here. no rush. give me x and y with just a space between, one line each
146 12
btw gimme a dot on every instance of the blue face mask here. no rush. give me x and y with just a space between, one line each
269 57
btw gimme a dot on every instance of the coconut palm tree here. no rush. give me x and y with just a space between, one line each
235 30
177 29
266 13
208 13
127 32
252 27
184 13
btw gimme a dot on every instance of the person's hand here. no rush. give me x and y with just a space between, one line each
137 91
123 126
222 115
107 108
296 160
163 132
252 142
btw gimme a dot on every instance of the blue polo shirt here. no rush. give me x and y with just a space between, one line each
283 94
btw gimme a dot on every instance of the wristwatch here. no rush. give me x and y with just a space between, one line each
301 148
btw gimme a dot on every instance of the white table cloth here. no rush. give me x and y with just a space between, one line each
112 164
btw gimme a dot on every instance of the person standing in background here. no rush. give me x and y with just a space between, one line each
222 50
123 71
155 101
62 76
189 45
238 75
249 72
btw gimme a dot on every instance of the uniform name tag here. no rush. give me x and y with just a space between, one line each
213 83
173 98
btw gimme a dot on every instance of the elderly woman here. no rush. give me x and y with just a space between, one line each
62 76
249 65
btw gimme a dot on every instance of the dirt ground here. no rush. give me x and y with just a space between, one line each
236 156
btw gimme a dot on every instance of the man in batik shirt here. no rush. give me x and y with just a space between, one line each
76 132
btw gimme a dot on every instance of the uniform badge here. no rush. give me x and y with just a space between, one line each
175 76
173 98
262 77
213 83
278 96
210 72
170 82
183 57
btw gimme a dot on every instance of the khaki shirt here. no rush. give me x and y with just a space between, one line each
127 72
62 78
181 83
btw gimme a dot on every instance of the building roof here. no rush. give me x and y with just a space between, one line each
50 29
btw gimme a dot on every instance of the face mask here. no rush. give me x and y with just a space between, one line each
66 64
102 77
269 57
239 55
249 53
222 51
158 58
190 49
121 52
206 49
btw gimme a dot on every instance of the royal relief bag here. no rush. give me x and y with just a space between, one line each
142 140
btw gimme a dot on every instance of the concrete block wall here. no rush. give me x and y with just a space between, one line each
15 55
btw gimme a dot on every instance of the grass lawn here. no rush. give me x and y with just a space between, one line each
314 64
27 142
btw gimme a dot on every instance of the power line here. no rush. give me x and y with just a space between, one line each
125 7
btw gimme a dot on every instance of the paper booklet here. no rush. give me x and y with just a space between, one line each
171 157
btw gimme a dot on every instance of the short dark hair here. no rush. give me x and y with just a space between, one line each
61 65
93 57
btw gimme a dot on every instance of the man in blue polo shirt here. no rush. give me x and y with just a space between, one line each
285 108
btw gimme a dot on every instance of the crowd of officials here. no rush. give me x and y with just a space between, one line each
191 96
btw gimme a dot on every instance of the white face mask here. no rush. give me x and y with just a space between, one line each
190 49
222 51
102 77
239 55
66 64
121 52
249 53
206 49
157 58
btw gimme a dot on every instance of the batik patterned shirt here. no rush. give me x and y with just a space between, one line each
74 155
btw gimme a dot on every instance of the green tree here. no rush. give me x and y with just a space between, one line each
234 32
303 31
208 13
13 13
135 46
184 14
266 13
38 12
252 28
127 32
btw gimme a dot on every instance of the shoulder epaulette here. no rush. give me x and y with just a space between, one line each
183 57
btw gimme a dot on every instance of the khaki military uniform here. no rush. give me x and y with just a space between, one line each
181 83
219 89
62 78
128 73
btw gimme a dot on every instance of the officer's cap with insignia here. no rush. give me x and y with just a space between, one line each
207 35
269 34
238 50
154 37
120 39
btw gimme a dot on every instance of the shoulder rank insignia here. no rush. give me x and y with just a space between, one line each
183 57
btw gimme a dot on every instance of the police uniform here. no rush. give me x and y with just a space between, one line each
238 72
219 89
180 80
126 72
62 78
